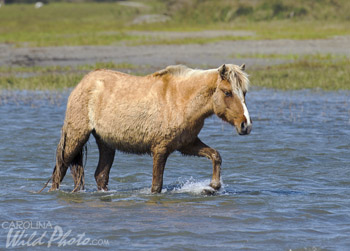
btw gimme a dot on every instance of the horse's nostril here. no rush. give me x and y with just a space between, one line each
243 125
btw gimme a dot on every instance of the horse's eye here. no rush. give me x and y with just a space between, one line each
228 93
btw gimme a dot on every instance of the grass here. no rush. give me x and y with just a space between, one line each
188 40
312 57
310 72
64 24
305 74
51 78
107 23
52 81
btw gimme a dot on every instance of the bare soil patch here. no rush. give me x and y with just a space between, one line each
159 56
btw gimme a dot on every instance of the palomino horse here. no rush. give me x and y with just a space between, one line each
155 114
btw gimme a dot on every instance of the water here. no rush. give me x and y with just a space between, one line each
286 186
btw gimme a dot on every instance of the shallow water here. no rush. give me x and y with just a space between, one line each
286 186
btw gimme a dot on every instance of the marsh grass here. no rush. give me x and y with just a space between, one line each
57 68
51 77
64 23
307 72
51 81
304 74
189 40
306 57
107 23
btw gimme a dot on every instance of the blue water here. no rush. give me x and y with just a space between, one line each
286 186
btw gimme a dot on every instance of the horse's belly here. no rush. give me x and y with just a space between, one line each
136 129
127 138
130 147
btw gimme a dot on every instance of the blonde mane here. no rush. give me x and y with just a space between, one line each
234 74
181 71
237 77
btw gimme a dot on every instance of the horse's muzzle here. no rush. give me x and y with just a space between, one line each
245 128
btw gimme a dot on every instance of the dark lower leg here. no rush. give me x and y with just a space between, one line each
77 171
215 181
104 164
102 176
159 160
58 174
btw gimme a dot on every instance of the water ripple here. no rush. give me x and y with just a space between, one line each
285 186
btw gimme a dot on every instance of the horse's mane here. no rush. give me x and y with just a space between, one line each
177 70
237 77
235 74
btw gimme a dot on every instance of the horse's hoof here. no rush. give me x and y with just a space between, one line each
156 189
208 191
215 185
52 189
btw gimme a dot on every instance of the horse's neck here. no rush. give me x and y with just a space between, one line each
200 90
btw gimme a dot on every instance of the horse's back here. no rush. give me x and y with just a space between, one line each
113 82
121 109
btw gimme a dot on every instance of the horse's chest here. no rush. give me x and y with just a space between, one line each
181 136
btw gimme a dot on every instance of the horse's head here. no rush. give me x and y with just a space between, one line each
229 97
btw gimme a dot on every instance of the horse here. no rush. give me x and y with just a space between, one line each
155 114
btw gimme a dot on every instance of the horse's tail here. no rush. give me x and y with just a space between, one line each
71 155
74 136
60 168
57 172
77 169
47 182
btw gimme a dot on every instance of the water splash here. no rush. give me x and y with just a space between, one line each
191 186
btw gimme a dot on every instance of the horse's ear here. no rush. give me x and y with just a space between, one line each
242 67
223 72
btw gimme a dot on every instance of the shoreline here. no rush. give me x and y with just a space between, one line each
160 56
278 64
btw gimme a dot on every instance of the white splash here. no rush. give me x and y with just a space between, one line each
193 186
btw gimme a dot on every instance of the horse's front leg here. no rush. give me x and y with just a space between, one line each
159 160
198 148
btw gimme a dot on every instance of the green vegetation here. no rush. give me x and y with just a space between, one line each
51 81
90 23
305 74
51 78
64 24
309 72
108 23
189 40
289 56
226 11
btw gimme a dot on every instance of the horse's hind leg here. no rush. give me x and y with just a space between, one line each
104 164
77 171
198 148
